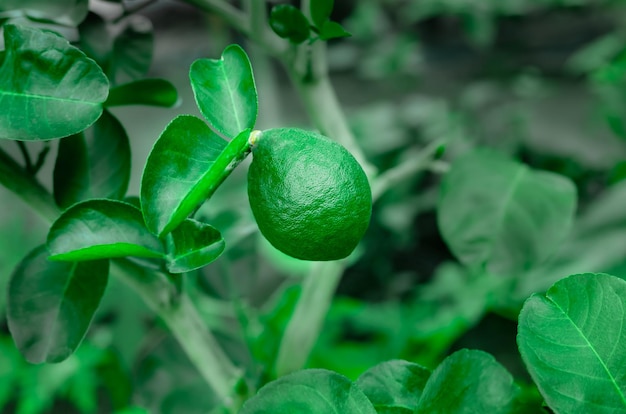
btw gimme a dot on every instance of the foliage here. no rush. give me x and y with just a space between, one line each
163 296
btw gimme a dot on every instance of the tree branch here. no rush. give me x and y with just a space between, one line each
159 294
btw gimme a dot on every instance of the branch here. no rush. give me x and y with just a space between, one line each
391 177
228 12
159 294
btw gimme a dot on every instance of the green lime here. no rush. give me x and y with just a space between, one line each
309 196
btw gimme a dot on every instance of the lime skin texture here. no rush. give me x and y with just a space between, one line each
309 196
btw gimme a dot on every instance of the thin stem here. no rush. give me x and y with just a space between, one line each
184 322
327 115
26 155
308 318
233 16
160 294
23 184
391 177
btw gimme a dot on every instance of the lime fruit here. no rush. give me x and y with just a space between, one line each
309 196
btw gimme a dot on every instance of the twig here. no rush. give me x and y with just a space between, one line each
28 164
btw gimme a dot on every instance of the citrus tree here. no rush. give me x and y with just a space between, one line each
312 194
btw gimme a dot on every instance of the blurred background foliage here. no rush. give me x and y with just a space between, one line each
541 80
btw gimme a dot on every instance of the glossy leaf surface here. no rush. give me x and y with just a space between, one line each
288 22
66 12
193 245
51 304
97 229
320 11
154 92
225 91
185 167
311 391
333 30
93 164
48 88
499 214
573 341
468 382
394 387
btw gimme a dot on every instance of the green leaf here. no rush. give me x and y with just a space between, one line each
186 165
499 214
225 91
132 51
320 11
95 38
193 245
394 387
97 229
311 391
154 92
468 381
51 304
66 12
573 342
333 30
93 164
288 22
48 88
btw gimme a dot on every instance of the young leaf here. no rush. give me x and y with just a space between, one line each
333 30
320 11
132 51
45 95
155 92
193 245
468 382
309 391
573 342
225 91
394 387
186 165
497 213
51 304
288 22
98 229
93 164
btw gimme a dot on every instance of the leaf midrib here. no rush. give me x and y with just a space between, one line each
582 335
230 94
49 98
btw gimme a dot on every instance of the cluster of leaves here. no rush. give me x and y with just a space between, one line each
290 23
506 230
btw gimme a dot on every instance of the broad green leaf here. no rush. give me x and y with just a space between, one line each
93 164
67 12
193 245
288 22
98 229
186 165
154 92
48 88
320 11
468 382
394 387
499 214
225 91
333 30
311 391
573 342
51 304
131 56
